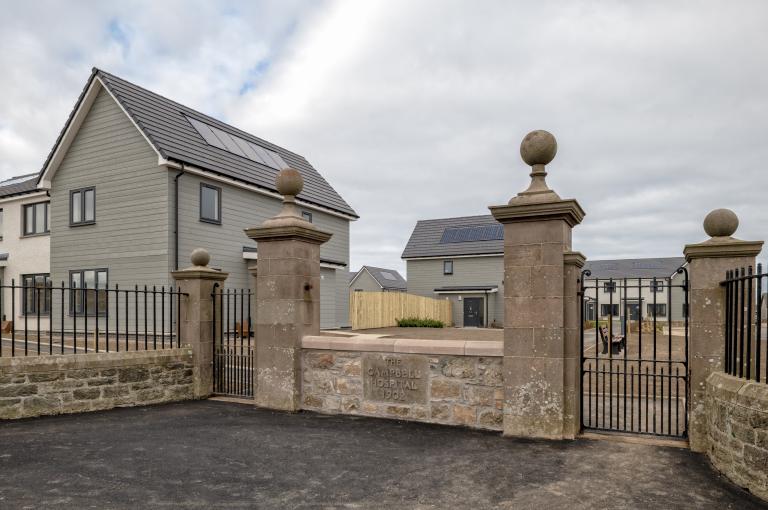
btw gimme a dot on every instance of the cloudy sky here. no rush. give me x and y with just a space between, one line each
415 109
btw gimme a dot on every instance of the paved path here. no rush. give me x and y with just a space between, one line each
218 455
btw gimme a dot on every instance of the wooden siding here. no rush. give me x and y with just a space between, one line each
424 276
381 309
241 209
130 235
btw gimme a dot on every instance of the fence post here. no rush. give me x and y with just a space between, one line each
707 264
287 296
541 358
196 316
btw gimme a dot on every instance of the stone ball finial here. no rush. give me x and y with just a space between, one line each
289 182
538 147
200 257
721 223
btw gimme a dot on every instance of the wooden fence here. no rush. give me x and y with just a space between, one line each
381 309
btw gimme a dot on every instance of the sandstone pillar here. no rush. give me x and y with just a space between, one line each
196 316
541 358
707 264
287 297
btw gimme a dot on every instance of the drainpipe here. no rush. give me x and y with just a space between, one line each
176 218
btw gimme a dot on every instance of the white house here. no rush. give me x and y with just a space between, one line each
24 250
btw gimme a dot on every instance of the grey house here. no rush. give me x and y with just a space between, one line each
622 288
460 259
137 181
377 279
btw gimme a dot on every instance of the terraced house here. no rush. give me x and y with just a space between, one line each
24 251
137 181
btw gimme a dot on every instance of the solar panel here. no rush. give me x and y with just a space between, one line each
472 234
388 276
236 145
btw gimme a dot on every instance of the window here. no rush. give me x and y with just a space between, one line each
609 287
36 219
447 267
89 291
657 286
36 295
605 310
82 206
659 310
1 224
306 215
210 204
685 310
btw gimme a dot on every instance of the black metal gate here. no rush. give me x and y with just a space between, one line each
233 343
634 354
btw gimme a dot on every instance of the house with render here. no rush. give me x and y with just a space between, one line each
137 181
377 279
24 250
462 260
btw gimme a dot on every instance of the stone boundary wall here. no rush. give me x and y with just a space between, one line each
434 387
42 385
737 421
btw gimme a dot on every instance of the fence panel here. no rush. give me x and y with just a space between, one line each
381 309
745 324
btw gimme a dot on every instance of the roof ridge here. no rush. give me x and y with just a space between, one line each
194 111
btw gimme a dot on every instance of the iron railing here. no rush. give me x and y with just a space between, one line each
745 355
39 320
635 372
233 342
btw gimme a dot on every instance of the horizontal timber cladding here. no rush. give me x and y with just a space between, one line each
424 276
129 237
382 309
37 386
433 388
242 209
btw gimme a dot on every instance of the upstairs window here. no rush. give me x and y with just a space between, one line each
609 287
306 215
36 219
1 224
448 267
210 204
82 206
657 286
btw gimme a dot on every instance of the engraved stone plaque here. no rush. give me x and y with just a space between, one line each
395 378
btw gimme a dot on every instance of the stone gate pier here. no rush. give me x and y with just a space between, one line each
541 307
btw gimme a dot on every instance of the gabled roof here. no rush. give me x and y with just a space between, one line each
387 278
447 237
19 185
662 267
166 126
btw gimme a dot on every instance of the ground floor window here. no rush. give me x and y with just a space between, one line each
658 310
606 310
89 291
36 294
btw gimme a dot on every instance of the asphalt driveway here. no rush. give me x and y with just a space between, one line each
219 455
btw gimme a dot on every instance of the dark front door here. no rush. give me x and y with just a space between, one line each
473 312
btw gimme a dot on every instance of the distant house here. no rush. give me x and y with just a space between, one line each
625 288
460 259
377 279
24 248
137 181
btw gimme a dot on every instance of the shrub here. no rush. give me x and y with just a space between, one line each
415 322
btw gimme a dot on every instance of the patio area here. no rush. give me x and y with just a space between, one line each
207 454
